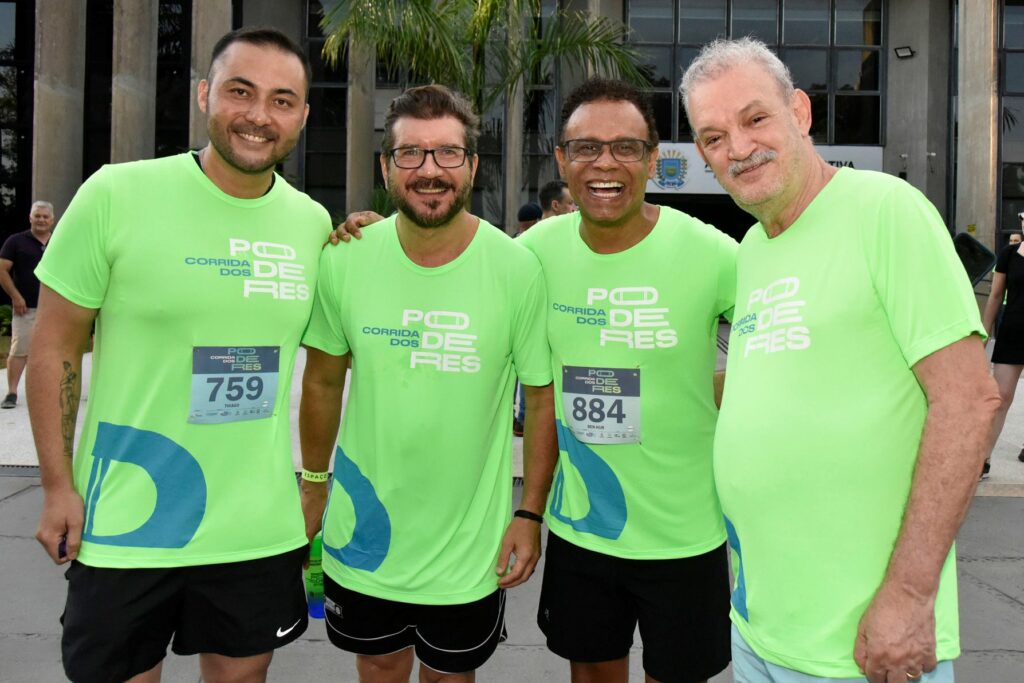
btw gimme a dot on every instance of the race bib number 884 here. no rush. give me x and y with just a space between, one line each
602 405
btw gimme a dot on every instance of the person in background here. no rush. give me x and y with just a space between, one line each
555 199
528 216
1004 320
19 257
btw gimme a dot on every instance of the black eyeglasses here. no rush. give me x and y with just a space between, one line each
413 157
590 150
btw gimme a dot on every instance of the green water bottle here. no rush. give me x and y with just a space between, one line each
315 578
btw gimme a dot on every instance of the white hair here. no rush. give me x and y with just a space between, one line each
723 54
45 205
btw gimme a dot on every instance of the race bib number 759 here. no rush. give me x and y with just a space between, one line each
233 383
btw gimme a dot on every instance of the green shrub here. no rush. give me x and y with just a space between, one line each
6 313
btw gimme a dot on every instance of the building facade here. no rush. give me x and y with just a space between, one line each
930 90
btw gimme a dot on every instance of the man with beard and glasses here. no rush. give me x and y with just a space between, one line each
436 313
199 271
858 406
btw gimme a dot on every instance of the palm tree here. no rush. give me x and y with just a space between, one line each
486 49
471 45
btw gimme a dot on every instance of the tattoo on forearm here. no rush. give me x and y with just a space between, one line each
68 408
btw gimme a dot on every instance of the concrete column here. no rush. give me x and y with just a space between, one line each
359 137
210 21
978 121
918 98
58 101
288 17
513 159
133 87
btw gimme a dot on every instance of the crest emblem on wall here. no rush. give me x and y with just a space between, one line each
670 172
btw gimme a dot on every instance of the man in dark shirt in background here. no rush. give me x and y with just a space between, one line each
19 257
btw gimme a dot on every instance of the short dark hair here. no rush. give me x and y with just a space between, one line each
262 37
607 89
431 102
551 192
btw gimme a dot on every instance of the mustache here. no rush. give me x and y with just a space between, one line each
755 159
430 184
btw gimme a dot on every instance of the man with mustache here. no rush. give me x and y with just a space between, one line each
858 404
179 507
436 312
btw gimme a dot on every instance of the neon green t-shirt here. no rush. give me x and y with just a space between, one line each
822 416
423 470
185 456
633 354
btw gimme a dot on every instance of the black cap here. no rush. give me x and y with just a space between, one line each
529 212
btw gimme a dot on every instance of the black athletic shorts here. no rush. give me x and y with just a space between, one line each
449 639
590 604
118 622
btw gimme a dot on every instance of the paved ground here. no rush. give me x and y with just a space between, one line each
990 548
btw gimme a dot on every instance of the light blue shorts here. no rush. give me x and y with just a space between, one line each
748 667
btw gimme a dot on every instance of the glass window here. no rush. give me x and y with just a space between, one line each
805 22
8 152
538 170
1014 72
857 119
538 122
1013 161
684 132
173 77
833 48
327 107
856 70
7 10
858 22
656 65
701 21
321 139
808 67
819 117
663 104
487 198
8 196
321 71
651 21
1013 24
757 18
8 94
314 13
684 56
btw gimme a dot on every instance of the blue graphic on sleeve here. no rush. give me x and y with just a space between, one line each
180 487
371 534
739 593
607 514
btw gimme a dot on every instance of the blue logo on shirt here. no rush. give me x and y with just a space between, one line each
371 534
177 477
607 514
739 593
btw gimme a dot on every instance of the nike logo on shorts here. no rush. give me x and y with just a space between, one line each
281 633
